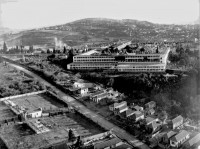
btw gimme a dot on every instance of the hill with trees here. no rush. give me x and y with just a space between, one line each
99 30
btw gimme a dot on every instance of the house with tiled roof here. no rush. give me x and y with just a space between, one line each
138 108
150 120
137 116
117 105
100 97
120 109
112 143
168 135
177 122
150 105
154 126
179 139
192 142
126 114
150 112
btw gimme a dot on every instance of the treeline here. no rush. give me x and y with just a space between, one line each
176 95
23 87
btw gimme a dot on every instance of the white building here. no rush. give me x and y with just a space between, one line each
130 62
34 113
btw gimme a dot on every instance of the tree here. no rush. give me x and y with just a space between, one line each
64 50
71 136
48 51
5 47
31 49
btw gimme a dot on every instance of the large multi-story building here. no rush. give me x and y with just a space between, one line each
127 62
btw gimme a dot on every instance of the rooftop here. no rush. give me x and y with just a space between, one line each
180 136
177 119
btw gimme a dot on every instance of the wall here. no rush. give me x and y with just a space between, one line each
22 95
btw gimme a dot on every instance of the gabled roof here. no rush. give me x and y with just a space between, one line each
138 114
123 107
107 143
194 140
150 119
150 104
137 108
118 104
103 95
128 113
170 134
155 124
177 119
180 136
123 146
97 93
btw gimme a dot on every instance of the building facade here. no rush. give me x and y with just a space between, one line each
132 62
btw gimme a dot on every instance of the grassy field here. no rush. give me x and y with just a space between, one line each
9 74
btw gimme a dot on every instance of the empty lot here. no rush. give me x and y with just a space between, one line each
43 101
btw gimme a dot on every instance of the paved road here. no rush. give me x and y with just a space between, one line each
90 114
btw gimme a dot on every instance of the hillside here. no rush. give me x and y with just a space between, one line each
99 30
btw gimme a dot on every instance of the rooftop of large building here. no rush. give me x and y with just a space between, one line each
138 51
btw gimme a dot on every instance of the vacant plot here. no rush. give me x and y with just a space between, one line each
21 136
9 74
33 102
5 112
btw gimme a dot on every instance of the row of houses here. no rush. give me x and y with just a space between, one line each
96 92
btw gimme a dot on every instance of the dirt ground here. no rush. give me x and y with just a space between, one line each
38 101
5 112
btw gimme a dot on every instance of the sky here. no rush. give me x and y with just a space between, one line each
26 14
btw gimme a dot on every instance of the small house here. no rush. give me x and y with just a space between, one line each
34 113
177 122
192 142
167 136
114 142
127 113
150 105
150 120
120 110
179 139
117 105
138 108
79 84
154 126
137 116
150 112
83 90
100 97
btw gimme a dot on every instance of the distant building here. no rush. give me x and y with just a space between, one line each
179 139
130 62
